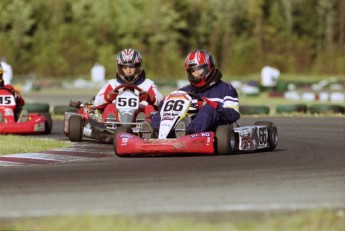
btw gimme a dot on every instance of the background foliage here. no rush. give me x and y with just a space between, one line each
63 38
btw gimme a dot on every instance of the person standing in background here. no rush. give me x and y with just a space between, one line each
98 73
269 77
7 69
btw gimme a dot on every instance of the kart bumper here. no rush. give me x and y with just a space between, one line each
131 145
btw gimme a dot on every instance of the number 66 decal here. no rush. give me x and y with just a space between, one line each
175 105
263 135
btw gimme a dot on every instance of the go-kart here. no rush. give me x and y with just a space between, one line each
93 123
226 139
12 122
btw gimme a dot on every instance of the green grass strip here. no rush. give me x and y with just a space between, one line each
318 220
12 144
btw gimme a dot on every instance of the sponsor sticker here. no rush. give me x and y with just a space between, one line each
87 130
128 136
203 134
39 127
8 112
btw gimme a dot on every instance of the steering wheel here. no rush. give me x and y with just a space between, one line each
193 95
199 98
127 86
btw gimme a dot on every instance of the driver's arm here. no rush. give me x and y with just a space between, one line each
101 99
229 110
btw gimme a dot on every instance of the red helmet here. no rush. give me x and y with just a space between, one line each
200 68
128 58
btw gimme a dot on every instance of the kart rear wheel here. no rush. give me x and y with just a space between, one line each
118 130
225 139
48 122
75 128
272 133
65 121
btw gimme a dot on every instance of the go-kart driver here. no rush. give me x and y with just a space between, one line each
220 99
20 102
129 71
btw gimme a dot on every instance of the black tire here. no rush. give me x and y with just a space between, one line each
36 107
48 123
300 108
75 128
225 139
324 109
61 109
254 110
118 130
272 133
64 122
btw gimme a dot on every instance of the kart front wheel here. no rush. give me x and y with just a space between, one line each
75 128
225 139
272 133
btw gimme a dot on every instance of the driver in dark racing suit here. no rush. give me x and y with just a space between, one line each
129 71
220 99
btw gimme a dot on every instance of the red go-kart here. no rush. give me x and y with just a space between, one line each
226 139
25 123
122 115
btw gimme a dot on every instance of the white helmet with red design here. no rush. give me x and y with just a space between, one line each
200 68
128 58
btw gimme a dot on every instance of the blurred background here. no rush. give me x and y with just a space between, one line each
56 42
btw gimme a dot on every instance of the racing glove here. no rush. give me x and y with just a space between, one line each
205 101
144 96
111 96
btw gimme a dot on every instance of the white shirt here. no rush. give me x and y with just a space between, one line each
269 76
98 73
8 74
148 86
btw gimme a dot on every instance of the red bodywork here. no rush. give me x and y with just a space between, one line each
35 123
131 145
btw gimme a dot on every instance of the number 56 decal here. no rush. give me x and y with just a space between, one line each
127 102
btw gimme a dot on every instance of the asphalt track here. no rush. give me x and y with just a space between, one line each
306 171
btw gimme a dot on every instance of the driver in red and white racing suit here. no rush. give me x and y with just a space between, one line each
20 102
220 99
129 71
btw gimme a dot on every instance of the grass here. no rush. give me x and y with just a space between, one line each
315 220
10 144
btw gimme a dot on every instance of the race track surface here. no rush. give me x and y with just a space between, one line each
307 170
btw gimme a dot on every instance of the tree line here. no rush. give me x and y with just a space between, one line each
64 38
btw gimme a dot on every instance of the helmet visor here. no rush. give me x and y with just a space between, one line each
129 64
196 73
126 75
